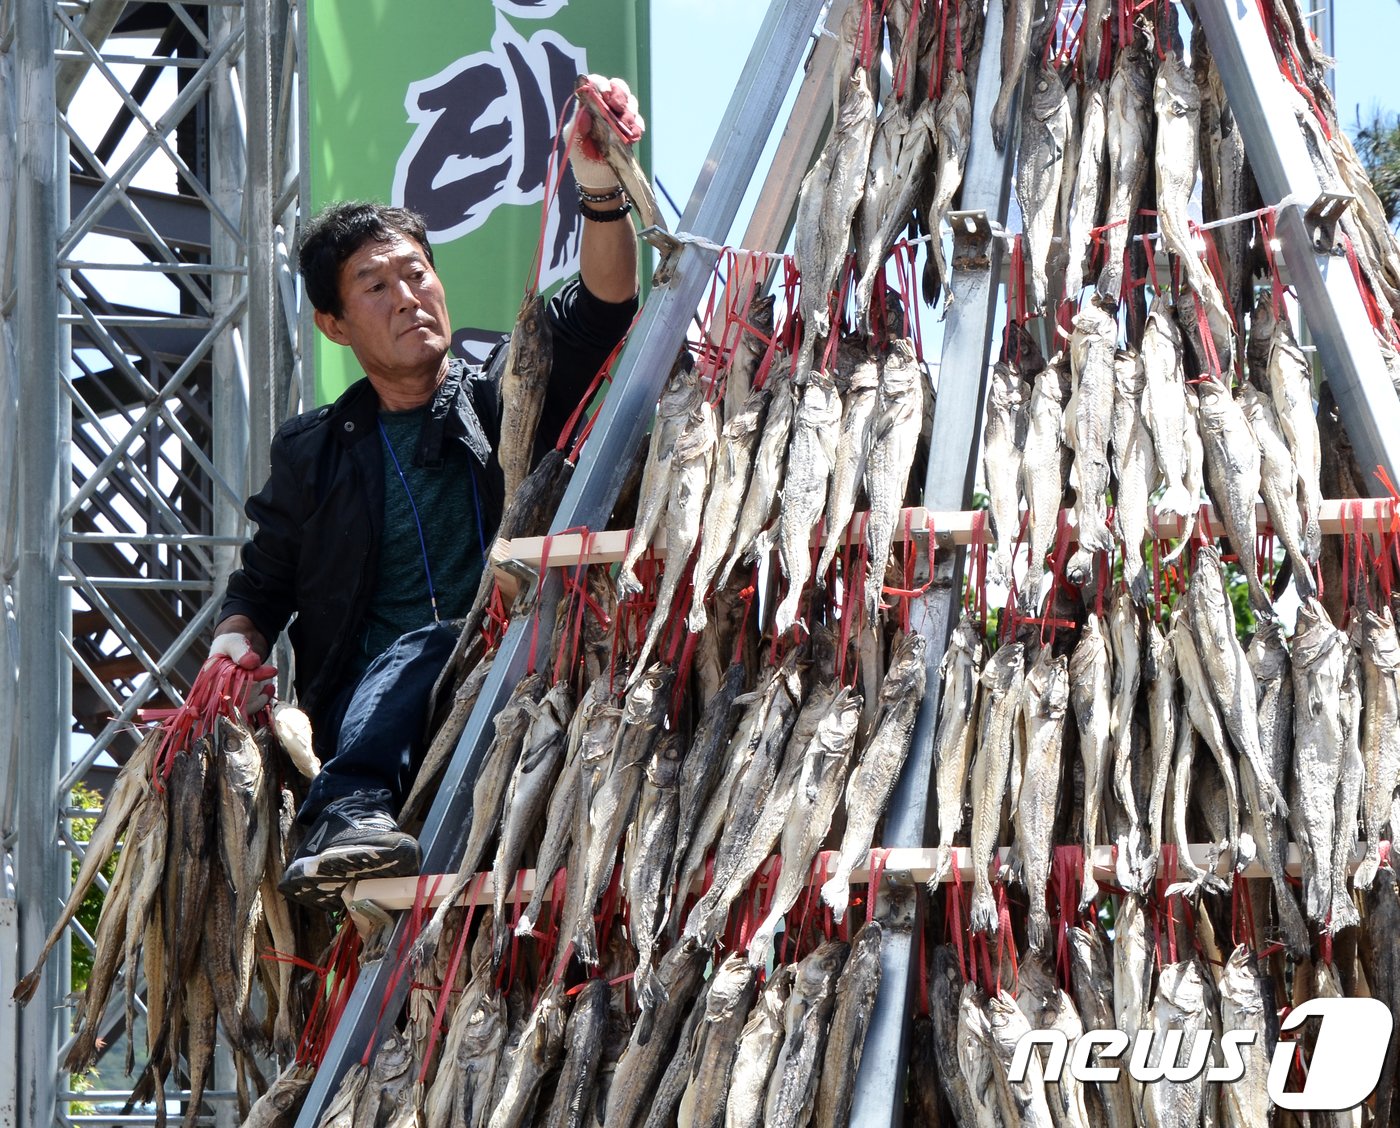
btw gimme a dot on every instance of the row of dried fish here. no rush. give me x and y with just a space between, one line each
1301 734
192 905
729 1050
1127 417
1150 977
883 164
795 459
564 786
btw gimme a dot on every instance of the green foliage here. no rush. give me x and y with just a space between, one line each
86 798
1378 146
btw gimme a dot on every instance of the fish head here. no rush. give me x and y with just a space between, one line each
1382 646
1183 985
231 738
1048 90
1006 386
821 966
731 985
1021 351
1208 566
599 736
531 318
1267 654
1129 373
1086 948
664 769
967 639
1005 667
1212 396
676 964
761 314
648 700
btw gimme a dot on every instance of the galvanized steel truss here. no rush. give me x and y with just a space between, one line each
151 162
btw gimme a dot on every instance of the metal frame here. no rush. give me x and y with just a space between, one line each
626 415
952 469
124 462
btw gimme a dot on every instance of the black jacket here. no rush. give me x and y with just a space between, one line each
319 517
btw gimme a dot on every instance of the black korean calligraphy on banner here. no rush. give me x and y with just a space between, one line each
484 127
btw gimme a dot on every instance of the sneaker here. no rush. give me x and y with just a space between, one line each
353 837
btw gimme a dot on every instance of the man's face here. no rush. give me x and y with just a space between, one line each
393 311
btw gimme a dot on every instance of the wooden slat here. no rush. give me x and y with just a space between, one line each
951 528
395 894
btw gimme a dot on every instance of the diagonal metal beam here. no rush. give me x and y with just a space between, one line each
121 178
1327 290
98 21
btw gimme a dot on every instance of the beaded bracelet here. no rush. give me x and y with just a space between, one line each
588 197
598 215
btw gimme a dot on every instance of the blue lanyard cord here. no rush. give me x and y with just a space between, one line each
422 543
476 501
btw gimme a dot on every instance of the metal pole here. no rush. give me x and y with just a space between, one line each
39 869
230 393
952 466
1327 290
9 637
626 415
266 374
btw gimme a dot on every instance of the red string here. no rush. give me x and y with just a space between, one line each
422 897
340 972
604 373
445 993
958 923
553 179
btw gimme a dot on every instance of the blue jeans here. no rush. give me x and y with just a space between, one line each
380 742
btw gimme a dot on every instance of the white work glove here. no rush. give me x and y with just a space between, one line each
591 170
238 650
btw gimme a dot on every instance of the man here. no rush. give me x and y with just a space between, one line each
374 524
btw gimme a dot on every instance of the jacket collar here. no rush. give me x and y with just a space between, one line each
355 415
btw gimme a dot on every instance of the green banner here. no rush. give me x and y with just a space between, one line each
450 107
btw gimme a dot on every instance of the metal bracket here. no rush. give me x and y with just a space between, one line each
1322 218
972 240
527 582
669 246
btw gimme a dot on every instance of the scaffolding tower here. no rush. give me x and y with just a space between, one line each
151 159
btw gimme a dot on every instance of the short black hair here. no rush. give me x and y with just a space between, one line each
337 232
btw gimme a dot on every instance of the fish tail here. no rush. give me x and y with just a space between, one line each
984 912
1177 500
697 619
1139 589
1366 870
627 582
1089 890
1312 539
836 893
